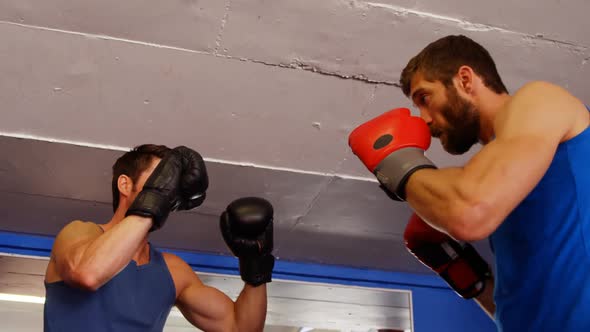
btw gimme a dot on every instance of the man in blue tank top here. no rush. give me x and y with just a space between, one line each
527 189
108 277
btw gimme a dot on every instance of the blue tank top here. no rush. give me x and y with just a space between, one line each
542 249
139 298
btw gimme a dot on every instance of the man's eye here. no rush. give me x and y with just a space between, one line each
424 99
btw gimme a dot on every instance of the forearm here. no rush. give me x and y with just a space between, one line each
108 254
435 195
486 299
250 308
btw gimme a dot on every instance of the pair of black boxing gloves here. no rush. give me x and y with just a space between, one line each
180 182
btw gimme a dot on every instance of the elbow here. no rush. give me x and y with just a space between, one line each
83 279
471 222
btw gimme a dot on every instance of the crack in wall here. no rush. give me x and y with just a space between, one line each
371 99
348 152
297 64
294 64
312 203
222 27
467 25
569 46
307 66
356 77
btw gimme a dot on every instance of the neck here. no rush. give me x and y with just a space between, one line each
117 218
490 104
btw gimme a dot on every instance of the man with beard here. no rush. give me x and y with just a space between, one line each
527 189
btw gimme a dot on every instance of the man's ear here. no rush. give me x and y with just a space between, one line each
465 79
125 185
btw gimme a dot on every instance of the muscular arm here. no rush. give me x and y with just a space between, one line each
211 310
470 202
86 257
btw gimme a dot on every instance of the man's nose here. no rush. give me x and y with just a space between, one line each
425 115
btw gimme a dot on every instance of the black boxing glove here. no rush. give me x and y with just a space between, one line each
247 228
194 180
179 182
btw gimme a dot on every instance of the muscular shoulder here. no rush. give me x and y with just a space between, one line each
182 274
537 86
71 235
175 263
541 95
543 108
78 230
82 226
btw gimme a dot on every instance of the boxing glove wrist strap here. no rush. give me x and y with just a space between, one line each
394 171
257 270
151 205
459 264
475 288
480 268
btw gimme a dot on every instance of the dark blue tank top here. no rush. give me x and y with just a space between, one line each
542 250
139 298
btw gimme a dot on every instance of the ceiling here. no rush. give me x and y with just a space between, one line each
267 91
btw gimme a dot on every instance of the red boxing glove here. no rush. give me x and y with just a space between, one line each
392 147
458 264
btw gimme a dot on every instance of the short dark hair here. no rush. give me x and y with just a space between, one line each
441 59
133 163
